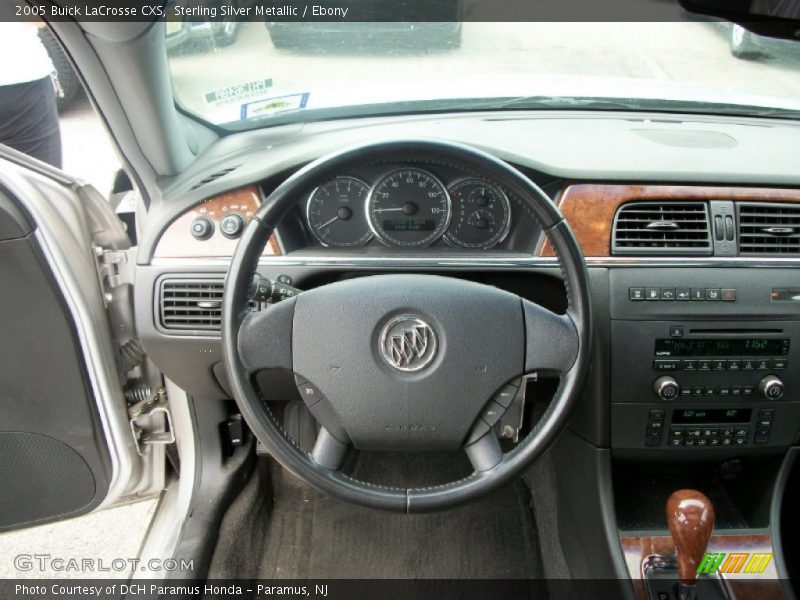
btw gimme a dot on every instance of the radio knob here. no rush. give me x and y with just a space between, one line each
771 387
666 388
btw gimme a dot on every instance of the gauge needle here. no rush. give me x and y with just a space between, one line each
326 223
377 210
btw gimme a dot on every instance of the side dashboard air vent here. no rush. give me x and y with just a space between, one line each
769 228
191 304
678 228
213 177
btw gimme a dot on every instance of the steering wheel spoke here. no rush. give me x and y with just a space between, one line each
485 453
265 338
328 451
551 340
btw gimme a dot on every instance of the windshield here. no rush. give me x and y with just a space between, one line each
256 74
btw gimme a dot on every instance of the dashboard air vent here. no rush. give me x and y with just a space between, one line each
662 228
213 177
769 228
191 304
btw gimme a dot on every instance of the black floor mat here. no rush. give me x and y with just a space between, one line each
307 535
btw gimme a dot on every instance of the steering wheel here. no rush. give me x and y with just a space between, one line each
406 362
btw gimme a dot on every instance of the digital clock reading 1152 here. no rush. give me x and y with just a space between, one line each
723 347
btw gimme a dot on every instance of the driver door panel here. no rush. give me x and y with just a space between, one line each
65 442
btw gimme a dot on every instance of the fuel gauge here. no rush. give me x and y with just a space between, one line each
481 214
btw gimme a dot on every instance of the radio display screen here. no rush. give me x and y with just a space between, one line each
711 415
723 347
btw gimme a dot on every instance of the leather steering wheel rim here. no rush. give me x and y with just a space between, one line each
305 465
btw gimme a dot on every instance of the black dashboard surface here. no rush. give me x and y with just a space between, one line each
546 145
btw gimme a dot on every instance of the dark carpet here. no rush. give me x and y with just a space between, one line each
279 528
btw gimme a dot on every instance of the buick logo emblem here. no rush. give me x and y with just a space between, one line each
408 343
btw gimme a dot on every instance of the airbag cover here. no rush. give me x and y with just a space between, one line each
336 344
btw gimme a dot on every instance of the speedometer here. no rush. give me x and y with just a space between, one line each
481 214
409 207
335 212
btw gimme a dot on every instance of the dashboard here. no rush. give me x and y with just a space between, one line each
693 254
655 244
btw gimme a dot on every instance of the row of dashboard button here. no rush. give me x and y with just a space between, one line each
723 436
715 364
747 390
709 432
669 294
709 436
231 227
728 435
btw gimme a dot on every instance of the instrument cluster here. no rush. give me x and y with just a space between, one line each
406 207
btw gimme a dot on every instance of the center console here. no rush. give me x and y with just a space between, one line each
704 396
703 374
704 384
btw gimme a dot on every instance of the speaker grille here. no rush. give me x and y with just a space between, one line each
41 478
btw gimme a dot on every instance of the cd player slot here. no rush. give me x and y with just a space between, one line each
735 331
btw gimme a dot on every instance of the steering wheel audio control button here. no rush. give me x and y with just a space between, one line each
492 412
311 395
506 395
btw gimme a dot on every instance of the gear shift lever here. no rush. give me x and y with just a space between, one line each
690 516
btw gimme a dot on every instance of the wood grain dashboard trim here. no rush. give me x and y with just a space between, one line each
765 586
589 208
177 241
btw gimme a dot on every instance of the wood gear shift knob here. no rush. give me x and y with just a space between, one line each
690 516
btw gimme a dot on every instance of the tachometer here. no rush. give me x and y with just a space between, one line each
335 212
409 207
481 214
